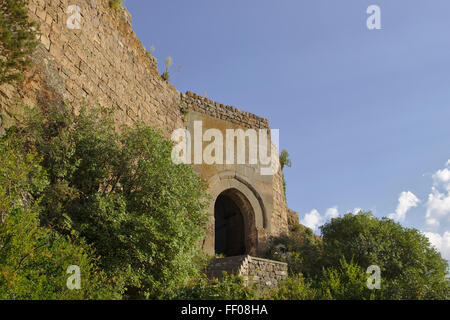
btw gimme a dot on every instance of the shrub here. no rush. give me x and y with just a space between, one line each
294 288
347 281
165 75
34 259
143 214
301 250
410 267
230 287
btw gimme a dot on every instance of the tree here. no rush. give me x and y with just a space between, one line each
34 259
410 267
120 190
17 39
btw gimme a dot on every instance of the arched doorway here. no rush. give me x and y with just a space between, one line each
229 187
229 227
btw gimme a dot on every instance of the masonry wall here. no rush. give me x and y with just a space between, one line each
261 272
104 62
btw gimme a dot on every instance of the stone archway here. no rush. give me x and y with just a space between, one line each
229 228
246 214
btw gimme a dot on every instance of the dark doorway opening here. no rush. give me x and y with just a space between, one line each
229 227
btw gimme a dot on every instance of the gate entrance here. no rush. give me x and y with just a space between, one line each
229 227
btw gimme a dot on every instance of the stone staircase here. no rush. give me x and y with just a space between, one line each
263 272
231 265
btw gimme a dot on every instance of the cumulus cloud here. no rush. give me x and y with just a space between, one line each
332 213
357 211
314 219
406 201
441 243
438 204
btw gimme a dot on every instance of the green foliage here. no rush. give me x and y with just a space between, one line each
347 281
294 288
301 250
229 287
143 214
410 267
165 75
115 4
284 161
17 40
34 259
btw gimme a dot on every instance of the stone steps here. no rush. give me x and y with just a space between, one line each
263 272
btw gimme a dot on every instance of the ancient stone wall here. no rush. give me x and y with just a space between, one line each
104 62
220 111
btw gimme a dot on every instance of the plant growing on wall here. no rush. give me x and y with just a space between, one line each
115 4
184 111
17 40
284 162
165 75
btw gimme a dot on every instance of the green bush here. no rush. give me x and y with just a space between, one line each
294 288
34 259
301 250
230 287
347 281
121 192
17 40
410 267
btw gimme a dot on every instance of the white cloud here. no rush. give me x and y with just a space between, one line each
357 210
314 219
442 176
332 213
438 204
441 243
406 201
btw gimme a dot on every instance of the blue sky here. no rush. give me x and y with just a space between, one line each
365 114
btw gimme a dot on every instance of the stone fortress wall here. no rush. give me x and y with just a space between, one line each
104 62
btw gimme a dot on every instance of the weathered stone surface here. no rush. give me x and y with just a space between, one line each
261 272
